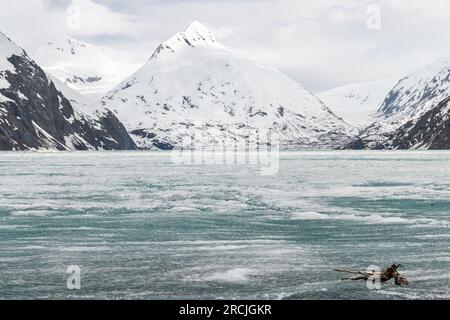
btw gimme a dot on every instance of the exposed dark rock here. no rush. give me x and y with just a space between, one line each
431 131
358 144
143 134
38 116
163 145
155 141
76 79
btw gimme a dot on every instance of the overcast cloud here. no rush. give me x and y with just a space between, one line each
322 44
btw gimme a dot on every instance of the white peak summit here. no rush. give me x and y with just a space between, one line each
66 45
197 32
7 49
194 35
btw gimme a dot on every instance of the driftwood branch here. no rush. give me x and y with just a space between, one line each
384 276
347 271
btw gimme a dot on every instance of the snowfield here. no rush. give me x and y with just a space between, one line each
91 70
358 104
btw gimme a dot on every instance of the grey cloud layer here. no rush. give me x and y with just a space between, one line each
322 44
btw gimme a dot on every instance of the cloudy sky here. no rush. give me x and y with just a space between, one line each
322 44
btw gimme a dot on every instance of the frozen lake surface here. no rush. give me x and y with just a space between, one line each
141 227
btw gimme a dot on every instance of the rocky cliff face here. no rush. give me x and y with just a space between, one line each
430 131
414 114
35 115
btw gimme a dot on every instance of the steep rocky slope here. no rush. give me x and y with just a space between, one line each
35 115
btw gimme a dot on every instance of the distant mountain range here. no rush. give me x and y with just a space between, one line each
193 90
36 115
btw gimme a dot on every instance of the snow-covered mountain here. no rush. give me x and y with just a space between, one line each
415 113
193 83
86 68
358 104
36 115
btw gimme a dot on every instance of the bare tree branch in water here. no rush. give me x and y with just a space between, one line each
384 276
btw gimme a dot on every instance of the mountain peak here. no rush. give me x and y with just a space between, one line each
196 30
194 35
65 45
7 49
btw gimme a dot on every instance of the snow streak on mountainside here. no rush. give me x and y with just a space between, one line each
193 83
359 103
35 115
414 113
86 68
